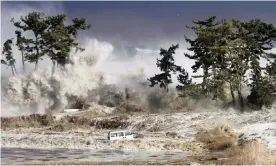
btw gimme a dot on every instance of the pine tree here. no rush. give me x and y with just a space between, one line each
259 39
23 44
187 88
34 22
51 37
7 52
167 66
200 46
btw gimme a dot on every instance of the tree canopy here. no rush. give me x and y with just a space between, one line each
50 37
228 53
9 59
167 65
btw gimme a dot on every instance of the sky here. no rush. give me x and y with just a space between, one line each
129 25
142 23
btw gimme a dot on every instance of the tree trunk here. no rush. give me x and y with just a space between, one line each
36 64
37 52
232 94
127 93
12 71
23 65
241 100
204 82
215 90
15 69
53 67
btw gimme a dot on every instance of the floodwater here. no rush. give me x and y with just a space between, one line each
23 155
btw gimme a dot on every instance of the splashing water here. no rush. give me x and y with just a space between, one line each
40 91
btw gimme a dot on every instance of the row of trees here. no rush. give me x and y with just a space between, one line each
226 51
50 37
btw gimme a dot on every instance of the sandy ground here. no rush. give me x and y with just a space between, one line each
154 129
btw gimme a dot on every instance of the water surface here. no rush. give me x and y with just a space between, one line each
23 155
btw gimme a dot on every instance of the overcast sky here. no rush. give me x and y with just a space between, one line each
153 23
148 25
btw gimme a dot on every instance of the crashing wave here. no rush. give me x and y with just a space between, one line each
40 91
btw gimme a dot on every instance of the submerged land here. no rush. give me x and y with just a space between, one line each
200 133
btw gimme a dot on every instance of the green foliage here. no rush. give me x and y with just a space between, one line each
264 94
50 37
186 87
167 66
23 44
226 51
78 24
259 38
210 49
183 77
190 90
271 67
37 24
201 48
7 52
59 39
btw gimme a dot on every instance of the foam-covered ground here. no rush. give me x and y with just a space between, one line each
154 128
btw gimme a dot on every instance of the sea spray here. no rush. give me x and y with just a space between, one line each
40 91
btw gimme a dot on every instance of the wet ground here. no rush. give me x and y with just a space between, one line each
23 155
153 145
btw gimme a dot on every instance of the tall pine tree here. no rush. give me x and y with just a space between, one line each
9 59
167 66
